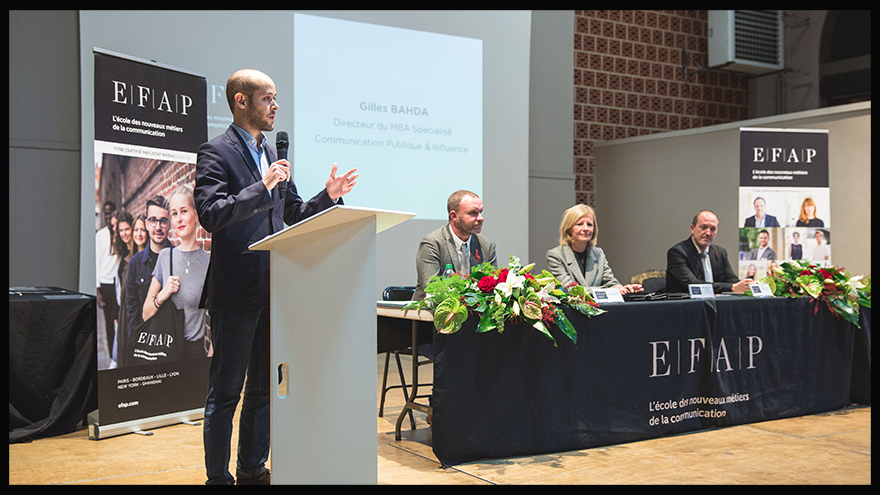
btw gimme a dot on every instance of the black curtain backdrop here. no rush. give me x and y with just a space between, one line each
52 362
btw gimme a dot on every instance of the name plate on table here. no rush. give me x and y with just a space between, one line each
701 291
606 296
761 290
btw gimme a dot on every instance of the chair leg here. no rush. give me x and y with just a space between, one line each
412 421
384 384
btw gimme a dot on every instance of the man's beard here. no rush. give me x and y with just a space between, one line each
257 121
468 229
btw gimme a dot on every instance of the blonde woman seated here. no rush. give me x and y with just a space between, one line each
577 258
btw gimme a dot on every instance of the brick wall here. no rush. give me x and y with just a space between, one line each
628 81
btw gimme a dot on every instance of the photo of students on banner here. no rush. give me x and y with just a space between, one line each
761 218
807 214
784 207
820 246
178 280
758 248
784 199
166 267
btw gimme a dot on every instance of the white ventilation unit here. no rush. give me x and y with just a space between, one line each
746 40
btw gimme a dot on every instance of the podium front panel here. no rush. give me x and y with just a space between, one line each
323 351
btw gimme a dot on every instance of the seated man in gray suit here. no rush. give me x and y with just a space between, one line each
696 260
458 243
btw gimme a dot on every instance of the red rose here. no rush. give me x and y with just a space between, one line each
502 275
487 284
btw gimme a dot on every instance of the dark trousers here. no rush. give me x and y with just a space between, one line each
241 352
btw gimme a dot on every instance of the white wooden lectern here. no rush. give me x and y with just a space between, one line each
323 302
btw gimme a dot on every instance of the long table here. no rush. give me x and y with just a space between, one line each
398 329
642 370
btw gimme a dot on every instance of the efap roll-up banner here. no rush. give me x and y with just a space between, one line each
153 343
784 199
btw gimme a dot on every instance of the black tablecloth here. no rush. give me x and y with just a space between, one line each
52 362
639 371
861 376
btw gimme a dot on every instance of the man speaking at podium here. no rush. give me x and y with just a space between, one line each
243 193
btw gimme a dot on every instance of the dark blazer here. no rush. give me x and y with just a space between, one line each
683 267
139 275
769 221
235 207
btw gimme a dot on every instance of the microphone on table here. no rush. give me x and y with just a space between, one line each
281 145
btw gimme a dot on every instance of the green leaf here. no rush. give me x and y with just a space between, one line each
811 285
849 313
586 309
566 326
578 291
514 263
486 323
449 316
540 326
530 305
482 270
477 302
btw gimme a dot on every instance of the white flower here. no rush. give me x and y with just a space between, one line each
856 282
545 296
514 281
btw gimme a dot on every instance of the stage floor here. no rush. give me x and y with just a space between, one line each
828 448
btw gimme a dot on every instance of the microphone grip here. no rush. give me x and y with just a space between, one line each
281 145
282 155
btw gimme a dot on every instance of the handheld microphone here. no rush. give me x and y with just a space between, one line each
281 145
